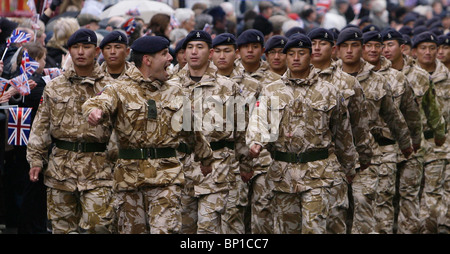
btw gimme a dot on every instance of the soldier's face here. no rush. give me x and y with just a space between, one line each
197 54
444 54
298 60
426 52
276 59
159 62
350 51
372 51
251 53
224 56
115 54
83 55
392 50
321 51
181 58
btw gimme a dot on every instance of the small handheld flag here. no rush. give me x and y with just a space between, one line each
19 126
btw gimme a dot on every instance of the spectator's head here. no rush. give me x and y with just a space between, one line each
185 18
160 25
89 21
6 27
63 29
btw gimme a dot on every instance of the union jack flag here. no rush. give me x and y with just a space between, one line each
28 65
19 126
129 26
18 37
133 12
52 72
3 84
21 84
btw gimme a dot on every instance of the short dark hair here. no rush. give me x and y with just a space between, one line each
136 58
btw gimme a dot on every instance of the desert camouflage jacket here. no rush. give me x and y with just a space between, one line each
298 116
60 117
211 98
138 124
356 104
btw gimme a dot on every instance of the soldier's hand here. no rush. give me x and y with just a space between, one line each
34 173
95 116
416 147
246 176
255 150
407 152
439 141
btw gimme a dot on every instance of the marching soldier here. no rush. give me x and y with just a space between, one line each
404 100
204 197
302 121
322 48
78 175
148 175
433 210
381 109
115 51
411 170
274 54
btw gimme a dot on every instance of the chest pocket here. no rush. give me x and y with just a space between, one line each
168 111
59 111
318 115
135 117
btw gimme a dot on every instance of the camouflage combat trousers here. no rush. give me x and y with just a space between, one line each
237 201
384 202
261 217
444 221
204 214
338 201
211 210
88 211
410 176
363 191
432 206
301 213
154 210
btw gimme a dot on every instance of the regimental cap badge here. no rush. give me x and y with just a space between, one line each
372 28
389 35
300 43
282 42
257 37
379 36
431 36
326 35
89 38
356 35
446 41
228 40
198 35
120 37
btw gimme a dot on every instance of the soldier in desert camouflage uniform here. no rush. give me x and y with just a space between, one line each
205 195
444 57
78 175
322 47
115 51
303 122
148 175
274 54
224 56
433 207
259 218
411 171
404 100
381 110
